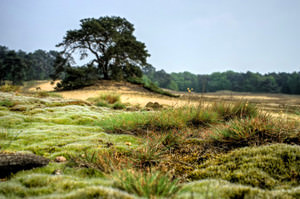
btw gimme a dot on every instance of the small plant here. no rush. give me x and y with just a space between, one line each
204 118
118 105
149 185
240 109
108 100
255 131
9 136
7 103
172 140
9 88
148 155
46 94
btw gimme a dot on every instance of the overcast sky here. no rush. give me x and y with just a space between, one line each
198 36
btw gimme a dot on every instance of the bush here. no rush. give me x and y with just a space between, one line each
267 167
149 185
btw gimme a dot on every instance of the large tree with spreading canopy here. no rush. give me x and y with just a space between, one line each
110 42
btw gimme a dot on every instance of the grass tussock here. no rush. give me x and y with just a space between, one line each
146 184
9 88
239 109
256 131
175 118
7 103
108 100
266 167
43 94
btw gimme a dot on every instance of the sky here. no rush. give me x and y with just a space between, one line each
198 36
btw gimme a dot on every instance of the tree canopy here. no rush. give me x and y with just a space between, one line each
110 41
17 66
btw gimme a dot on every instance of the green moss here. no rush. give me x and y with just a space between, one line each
274 166
225 190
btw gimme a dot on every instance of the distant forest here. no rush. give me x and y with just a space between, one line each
19 66
288 83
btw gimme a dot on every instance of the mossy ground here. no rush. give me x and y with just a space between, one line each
176 142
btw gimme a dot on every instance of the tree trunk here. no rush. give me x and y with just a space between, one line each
14 162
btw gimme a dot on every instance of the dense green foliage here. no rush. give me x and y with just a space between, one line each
19 66
115 52
242 82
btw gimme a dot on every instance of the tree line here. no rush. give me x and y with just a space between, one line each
282 82
116 54
19 66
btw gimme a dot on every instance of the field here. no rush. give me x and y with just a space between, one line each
116 145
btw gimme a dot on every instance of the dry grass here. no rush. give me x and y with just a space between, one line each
136 95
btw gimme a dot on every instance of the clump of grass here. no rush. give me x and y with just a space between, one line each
172 140
8 136
204 118
108 100
147 155
146 184
105 161
7 103
255 131
239 109
118 105
266 167
47 94
9 88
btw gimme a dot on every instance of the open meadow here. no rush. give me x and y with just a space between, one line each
108 141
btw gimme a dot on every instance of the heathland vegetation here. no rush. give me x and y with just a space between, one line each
212 150
103 147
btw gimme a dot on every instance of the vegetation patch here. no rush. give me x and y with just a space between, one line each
266 167
213 188
255 131
149 185
108 100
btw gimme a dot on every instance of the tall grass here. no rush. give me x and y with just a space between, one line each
108 100
256 131
145 184
240 109
176 118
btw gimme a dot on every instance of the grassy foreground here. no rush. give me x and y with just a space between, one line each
220 151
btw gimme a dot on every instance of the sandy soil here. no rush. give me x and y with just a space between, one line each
135 94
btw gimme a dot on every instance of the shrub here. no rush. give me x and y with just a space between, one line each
149 185
267 167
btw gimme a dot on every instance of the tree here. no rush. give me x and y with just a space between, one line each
111 42
14 67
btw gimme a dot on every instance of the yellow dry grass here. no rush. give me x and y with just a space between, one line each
137 95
